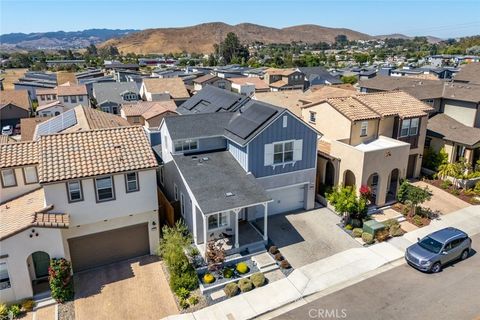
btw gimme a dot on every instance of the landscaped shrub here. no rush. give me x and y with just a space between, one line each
348 227
242 267
382 235
278 257
208 278
193 300
356 223
417 220
258 279
285 264
396 231
245 285
477 188
228 273
60 279
183 303
193 252
27 305
187 280
231 289
367 238
182 293
357 232
445 184
14 311
3 311
273 250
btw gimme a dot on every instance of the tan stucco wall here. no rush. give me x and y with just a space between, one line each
355 137
329 122
386 127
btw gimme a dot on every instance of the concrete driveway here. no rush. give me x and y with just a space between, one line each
133 289
307 236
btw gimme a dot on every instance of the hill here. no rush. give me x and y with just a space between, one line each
59 39
430 39
201 38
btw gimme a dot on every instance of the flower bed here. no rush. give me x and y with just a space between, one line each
468 195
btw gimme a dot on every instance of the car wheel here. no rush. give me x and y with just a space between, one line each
464 254
437 267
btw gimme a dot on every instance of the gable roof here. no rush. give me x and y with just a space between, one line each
18 154
95 152
419 88
260 85
210 175
318 75
289 99
20 98
69 89
112 91
174 86
212 99
469 73
352 109
28 126
280 72
197 125
450 129
148 109
51 104
206 78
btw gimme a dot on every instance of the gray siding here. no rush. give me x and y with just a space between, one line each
215 143
239 153
275 132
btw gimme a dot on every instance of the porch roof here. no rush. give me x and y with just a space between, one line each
211 176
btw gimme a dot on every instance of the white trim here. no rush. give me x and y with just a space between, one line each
279 174
227 225
238 208
289 186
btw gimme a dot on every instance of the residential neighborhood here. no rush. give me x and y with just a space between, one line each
318 178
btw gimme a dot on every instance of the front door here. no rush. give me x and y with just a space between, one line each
41 262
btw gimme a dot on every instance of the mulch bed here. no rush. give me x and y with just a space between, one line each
459 193
399 207
66 311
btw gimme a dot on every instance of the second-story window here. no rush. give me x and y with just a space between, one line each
73 99
8 178
136 119
283 152
104 189
65 99
364 129
74 189
414 127
409 127
30 175
80 98
132 182
186 145
313 116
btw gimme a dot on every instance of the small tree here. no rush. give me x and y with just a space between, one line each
215 256
412 196
346 202
60 280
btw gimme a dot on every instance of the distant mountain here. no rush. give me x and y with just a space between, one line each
201 38
430 39
59 39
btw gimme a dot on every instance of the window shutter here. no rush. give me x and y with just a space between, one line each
268 159
297 150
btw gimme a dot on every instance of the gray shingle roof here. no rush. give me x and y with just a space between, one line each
212 99
111 91
450 129
210 180
197 125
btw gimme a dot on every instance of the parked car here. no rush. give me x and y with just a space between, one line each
7 130
439 248
17 129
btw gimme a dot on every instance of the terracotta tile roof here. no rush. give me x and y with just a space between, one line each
280 72
28 126
320 93
151 108
29 210
352 108
18 154
20 98
396 103
174 86
71 90
469 73
6 139
89 153
97 119
289 99
46 91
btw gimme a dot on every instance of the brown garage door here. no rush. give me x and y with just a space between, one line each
109 246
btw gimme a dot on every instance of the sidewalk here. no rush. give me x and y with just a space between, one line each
338 269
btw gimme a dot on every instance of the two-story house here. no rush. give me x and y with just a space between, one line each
88 196
228 169
161 89
284 79
369 139
212 80
147 113
110 96
14 105
68 95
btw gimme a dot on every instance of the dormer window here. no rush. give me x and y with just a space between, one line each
30 175
364 129
8 178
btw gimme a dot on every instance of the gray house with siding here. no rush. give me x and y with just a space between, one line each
231 169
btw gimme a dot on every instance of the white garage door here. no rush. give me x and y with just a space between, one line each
286 199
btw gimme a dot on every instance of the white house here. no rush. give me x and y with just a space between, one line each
88 196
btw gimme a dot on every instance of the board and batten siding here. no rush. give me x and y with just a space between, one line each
212 143
295 130
239 153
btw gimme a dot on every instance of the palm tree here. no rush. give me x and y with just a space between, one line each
448 170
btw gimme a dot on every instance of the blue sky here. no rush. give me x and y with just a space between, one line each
440 18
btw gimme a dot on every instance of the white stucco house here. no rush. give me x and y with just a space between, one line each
88 196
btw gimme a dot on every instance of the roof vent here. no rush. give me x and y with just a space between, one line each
205 158
194 157
229 194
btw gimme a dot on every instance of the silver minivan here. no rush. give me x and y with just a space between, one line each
439 248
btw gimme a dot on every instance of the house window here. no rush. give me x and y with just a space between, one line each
80 98
74 189
104 189
106 109
186 145
30 175
285 121
217 220
428 142
364 129
65 99
4 278
409 127
175 192
8 178
405 128
414 127
73 99
313 116
136 119
115 110
221 84
42 97
131 180
283 152
54 96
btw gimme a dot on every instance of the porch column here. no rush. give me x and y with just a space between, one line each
265 233
205 233
195 231
236 228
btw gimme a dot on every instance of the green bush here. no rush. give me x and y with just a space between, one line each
245 285
60 280
193 252
183 303
357 232
208 278
182 293
242 267
417 220
193 300
396 231
231 289
3 311
228 273
14 311
348 227
356 223
187 280
477 188
367 238
258 279
27 305
445 184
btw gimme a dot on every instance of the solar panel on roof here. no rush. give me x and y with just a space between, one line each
57 124
250 120
242 127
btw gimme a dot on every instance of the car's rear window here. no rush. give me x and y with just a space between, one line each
431 245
